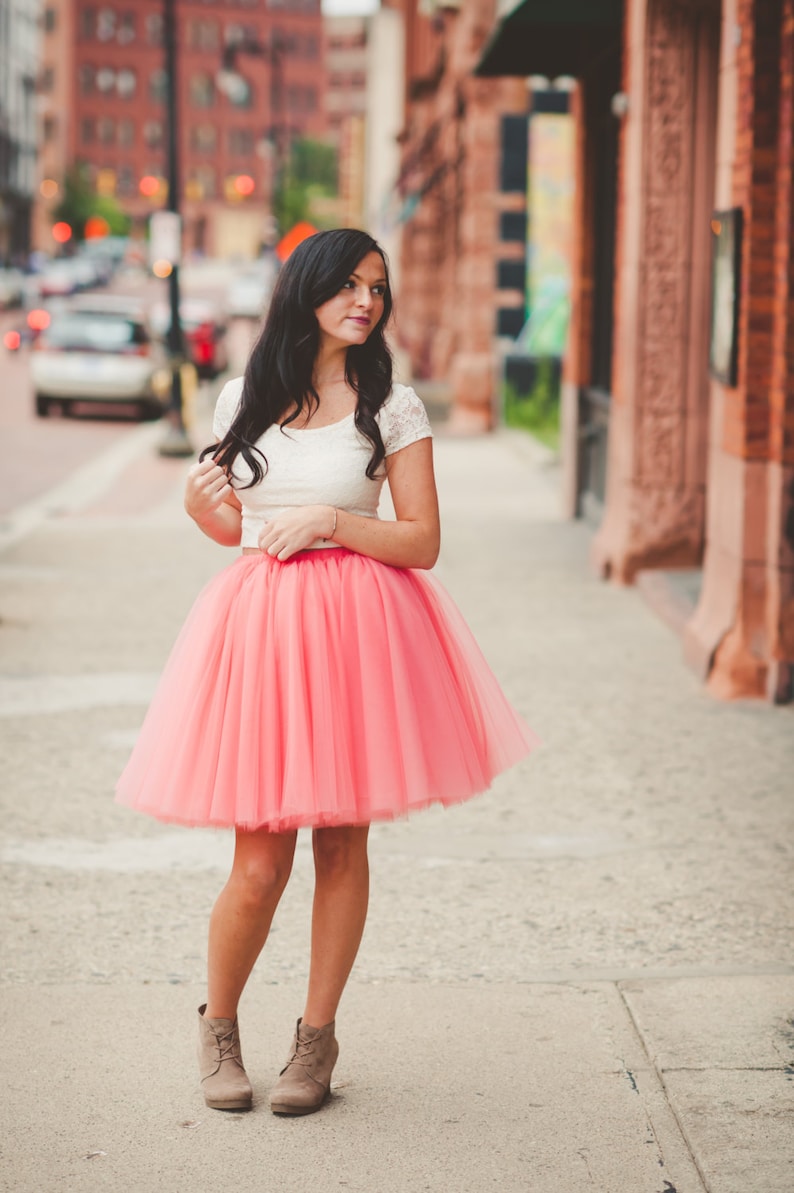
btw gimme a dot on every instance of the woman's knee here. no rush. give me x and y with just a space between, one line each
262 867
340 850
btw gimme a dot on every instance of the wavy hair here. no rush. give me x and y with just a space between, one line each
279 372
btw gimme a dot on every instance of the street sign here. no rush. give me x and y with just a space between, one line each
165 237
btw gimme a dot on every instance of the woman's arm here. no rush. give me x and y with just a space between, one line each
213 504
411 541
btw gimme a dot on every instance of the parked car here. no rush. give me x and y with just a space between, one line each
204 326
12 287
100 350
249 291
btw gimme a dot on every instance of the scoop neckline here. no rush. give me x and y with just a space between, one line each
327 426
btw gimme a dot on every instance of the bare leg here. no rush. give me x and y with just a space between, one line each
243 913
341 894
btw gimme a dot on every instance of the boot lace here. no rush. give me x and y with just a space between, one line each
302 1054
229 1046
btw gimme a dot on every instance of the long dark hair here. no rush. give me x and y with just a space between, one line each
280 367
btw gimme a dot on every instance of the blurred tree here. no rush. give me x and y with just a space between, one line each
80 203
310 172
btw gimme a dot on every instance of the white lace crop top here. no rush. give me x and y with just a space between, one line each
319 465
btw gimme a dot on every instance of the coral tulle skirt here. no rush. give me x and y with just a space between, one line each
327 690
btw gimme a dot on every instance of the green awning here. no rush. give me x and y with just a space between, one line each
550 37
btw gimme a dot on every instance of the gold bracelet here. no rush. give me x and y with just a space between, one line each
328 537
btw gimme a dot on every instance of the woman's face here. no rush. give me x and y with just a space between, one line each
351 315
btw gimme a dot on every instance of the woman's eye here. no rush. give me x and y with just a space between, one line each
379 291
349 285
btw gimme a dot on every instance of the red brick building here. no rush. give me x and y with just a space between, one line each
458 212
102 86
681 352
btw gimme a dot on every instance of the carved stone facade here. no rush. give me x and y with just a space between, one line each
710 125
656 481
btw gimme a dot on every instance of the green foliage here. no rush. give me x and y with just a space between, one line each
310 173
314 164
80 201
539 410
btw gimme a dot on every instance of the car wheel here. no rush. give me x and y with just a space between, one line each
150 410
42 406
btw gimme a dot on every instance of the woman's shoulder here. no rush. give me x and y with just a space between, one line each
226 406
402 418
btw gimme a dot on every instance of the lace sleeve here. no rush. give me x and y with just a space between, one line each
403 419
226 407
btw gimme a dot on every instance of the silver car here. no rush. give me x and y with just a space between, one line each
101 353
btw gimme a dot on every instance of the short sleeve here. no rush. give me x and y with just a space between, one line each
403 419
226 406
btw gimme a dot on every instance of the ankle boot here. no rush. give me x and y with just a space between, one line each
224 1082
305 1080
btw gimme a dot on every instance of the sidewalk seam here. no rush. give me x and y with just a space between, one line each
659 1073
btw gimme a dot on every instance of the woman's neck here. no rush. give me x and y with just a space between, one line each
329 367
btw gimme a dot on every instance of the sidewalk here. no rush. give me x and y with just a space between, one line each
581 981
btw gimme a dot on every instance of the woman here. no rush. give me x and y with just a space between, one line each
323 679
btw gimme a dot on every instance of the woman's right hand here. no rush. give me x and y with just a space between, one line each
206 489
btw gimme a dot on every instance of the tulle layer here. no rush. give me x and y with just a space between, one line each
327 690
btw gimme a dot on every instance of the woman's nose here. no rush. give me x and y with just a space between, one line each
364 297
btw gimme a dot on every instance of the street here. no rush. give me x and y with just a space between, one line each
579 981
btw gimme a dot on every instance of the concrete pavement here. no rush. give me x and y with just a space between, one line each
580 981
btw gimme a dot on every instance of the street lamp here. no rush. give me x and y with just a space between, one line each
176 442
233 85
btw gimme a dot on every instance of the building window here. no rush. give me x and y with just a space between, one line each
154 29
86 79
234 34
201 183
157 85
126 33
202 91
106 130
50 20
203 35
153 133
204 138
126 83
105 79
47 79
311 99
125 183
49 128
126 133
86 131
87 23
241 142
312 46
106 24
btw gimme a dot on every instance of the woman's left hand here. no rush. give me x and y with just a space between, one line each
296 530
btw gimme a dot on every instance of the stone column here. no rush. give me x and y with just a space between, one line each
656 472
742 633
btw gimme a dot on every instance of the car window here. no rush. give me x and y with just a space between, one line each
99 333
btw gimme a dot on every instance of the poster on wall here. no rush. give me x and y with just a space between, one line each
726 231
550 201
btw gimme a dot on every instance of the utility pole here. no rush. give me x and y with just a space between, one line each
176 442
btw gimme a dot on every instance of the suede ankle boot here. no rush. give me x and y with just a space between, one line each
224 1082
305 1080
